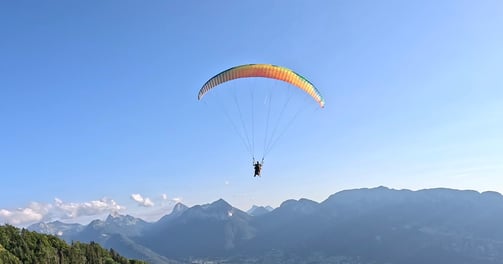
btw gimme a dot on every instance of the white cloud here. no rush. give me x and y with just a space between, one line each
166 200
137 197
73 210
20 216
141 200
82 211
36 212
148 202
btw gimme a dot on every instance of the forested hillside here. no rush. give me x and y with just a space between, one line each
24 246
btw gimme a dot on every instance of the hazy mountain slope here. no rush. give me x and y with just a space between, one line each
259 210
203 230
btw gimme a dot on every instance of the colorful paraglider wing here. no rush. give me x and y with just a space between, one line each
266 71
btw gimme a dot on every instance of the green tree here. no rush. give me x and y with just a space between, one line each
27 247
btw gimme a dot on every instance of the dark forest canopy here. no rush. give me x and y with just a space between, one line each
24 246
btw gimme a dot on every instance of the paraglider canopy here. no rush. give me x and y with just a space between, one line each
265 71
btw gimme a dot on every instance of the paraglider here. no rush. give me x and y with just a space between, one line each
257 167
248 128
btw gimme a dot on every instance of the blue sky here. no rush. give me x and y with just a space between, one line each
99 110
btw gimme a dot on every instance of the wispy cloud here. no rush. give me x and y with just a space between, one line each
36 212
80 211
74 210
163 205
166 200
143 201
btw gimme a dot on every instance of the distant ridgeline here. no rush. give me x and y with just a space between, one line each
24 246
361 226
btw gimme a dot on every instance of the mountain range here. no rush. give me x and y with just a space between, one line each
376 225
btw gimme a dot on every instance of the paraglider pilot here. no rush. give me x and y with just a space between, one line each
257 166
